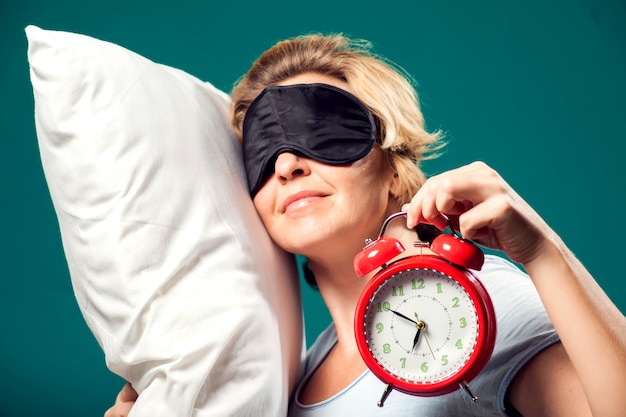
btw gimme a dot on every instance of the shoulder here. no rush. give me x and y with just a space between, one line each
519 310
510 288
523 327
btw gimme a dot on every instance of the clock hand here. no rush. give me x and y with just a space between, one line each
403 316
416 338
425 337
419 324
429 348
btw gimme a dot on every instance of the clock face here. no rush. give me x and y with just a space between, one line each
421 326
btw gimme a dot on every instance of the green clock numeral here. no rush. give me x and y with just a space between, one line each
379 327
386 348
424 367
439 290
456 302
444 360
403 360
463 322
399 291
419 285
459 344
384 306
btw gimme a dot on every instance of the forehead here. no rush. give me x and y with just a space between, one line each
313 78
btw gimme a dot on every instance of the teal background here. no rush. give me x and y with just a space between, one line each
536 89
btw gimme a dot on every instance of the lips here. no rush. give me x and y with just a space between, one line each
294 199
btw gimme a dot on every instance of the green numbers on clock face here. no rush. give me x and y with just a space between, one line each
421 325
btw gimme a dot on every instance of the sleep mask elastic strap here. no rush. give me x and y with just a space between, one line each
318 121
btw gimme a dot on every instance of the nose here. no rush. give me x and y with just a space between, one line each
289 166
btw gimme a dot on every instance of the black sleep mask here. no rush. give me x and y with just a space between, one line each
318 121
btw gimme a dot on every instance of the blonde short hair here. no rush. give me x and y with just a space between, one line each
378 83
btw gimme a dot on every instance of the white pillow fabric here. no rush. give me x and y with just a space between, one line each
171 267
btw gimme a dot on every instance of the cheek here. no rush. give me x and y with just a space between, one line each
373 179
263 203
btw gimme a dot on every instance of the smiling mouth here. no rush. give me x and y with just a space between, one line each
303 202
301 199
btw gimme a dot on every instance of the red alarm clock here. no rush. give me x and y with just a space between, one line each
424 324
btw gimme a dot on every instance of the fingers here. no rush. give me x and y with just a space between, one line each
127 393
478 223
119 410
454 193
482 207
123 402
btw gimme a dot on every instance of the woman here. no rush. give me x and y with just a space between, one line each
561 347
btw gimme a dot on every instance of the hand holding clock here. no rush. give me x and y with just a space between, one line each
484 208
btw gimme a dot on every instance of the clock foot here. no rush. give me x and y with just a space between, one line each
382 400
469 392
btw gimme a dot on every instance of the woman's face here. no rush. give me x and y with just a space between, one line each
315 209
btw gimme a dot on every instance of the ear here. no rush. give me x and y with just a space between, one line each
391 172
394 186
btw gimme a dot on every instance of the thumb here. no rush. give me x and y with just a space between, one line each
127 393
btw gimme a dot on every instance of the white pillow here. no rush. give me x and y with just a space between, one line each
171 266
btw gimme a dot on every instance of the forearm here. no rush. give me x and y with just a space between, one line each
591 327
